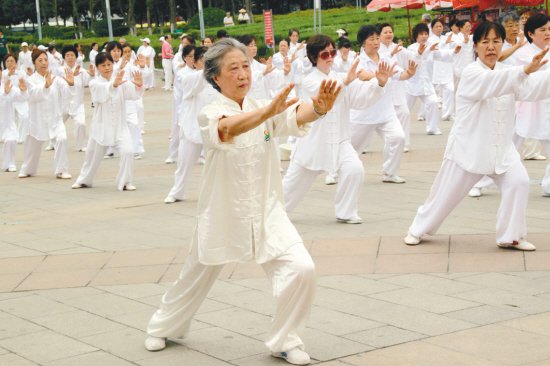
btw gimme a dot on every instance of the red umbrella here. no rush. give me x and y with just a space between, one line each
387 5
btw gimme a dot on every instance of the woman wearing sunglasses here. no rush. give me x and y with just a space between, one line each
328 147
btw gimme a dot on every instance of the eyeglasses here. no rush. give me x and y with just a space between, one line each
325 55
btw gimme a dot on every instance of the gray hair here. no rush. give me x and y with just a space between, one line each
426 17
213 58
506 17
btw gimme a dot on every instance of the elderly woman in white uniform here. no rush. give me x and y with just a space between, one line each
328 148
480 142
241 212
10 94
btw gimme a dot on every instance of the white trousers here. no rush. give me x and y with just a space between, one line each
94 157
351 173
404 116
33 150
188 154
8 154
431 112
530 148
173 145
79 120
22 113
292 277
451 185
168 74
135 133
447 98
545 144
394 140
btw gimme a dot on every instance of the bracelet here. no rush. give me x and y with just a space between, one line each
319 114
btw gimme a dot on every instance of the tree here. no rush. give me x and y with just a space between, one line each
172 6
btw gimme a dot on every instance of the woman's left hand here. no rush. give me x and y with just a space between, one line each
326 96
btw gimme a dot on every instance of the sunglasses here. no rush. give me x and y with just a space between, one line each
325 55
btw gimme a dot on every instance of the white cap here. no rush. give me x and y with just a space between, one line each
340 32
42 48
183 35
146 40
242 11
24 44
161 39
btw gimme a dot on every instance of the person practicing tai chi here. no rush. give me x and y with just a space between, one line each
241 215
480 142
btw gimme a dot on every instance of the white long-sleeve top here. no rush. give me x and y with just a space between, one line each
383 110
129 70
264 85
398 87
73 103
196 94
24 61
465 56
45 106
317 150
8 127
421 82
241 215
109 118
21 106
55 60
149 53
532 118
93 54
179 86
442 70
481 138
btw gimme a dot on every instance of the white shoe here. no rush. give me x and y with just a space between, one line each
410 239
109 156
170 199
431 133
330 180
201 160
351 220
545 194
138 157
420 118
537 157
169 161
406 149
82 149
79 185
521 245
475 192
129 187
295 356
49 148
23 175
63 176
154 344
11 169
393 179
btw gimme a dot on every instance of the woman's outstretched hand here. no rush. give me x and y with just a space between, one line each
326 96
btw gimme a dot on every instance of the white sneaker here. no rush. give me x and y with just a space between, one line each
109 156
63 176
475 192
138 157
169 161
410 239
420 118
129 187
11 169
83 149
170 199
351 220
201 160
521 245
80 185
393 179
330 180
154 344
49 148
545 194
431 133
295 356
406 149
536 157
23 175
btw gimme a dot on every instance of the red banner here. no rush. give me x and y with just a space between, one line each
268 29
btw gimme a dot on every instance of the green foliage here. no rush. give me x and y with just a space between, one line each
213 17
101 28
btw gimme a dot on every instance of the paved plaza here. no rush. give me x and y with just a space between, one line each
82 271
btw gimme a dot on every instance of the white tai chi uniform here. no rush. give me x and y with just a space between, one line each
328 147
177 111
46 123
109 129
533 118
196 94
24 61
21 107
480 143
380 118
73 108
149 53
442 77
241 218
8 129
420 86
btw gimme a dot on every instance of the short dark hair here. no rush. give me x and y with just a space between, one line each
384 25
483 29
199 52
365 32
452 22
93 44
67 49
102 57
292 30
112 45
51 47
10 55
36 54
436 20
246 39
191 39
419 28
461 23
222 33
533 23
344 42
187 50
315 45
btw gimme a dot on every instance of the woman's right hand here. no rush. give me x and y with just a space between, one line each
279 103
537 62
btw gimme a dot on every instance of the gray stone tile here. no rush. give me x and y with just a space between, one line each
11 359
107 305
507 282
33 306
425 300
323 346
254 300
78 324
238 320
338 323
96 358
355 284
507 300
384 336
45 346
62 294
484 314
135 291
3 351
431 283
183 356
12 326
